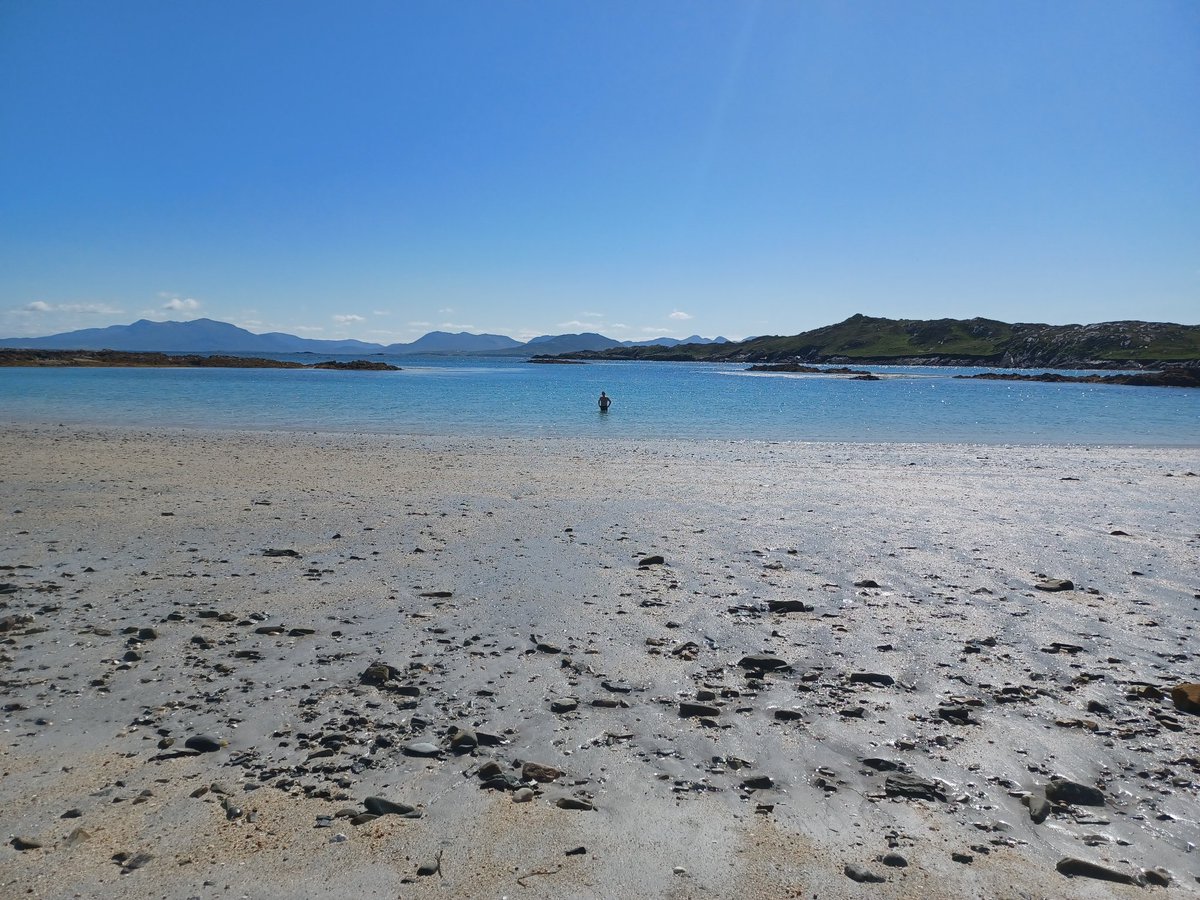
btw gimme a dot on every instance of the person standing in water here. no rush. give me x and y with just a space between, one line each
605 401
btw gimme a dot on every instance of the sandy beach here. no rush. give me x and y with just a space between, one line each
275 665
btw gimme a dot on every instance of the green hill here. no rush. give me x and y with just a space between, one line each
980 342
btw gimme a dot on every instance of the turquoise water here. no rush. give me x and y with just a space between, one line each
650 400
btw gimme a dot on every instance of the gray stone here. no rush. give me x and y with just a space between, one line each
422 748
914 788
381 806
1039 808
689 709
21 842
1060 790
573 803
564 705
862 874
204 743
1072 868
895 860
762 662
1055 584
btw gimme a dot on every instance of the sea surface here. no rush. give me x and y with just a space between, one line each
496 396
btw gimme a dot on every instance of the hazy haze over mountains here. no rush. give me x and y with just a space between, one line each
207 335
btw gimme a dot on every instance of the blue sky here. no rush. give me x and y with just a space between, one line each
379 170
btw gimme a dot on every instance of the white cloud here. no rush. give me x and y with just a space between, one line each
94 309
452 326
656 331
679 315
311 329
420 324
575 323
620 325
446 310
182 304
590 315
348 319
381 312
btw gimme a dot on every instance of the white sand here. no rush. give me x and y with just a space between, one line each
123 527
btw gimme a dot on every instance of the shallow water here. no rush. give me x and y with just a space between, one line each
650 400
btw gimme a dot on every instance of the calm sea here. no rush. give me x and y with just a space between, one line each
650 400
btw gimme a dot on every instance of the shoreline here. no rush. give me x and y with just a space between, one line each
498 577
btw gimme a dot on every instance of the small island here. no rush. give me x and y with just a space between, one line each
97 359
808 370
1171 377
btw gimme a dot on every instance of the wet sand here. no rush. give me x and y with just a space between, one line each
434 614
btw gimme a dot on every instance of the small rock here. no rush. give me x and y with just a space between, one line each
1072 867
1187 698
74 813
655 560
573 803
422 748
523 795
204 743
1060 790
1055 584
20 842
866 583
895 860
787 606
759 783
689 709
463 739
381 806
1158 876
564 705
576 851
762 662
532 771
872 678
862 874
1039 808
912 787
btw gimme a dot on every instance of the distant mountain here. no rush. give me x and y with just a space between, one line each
675 342
553 344
962 342
462 342
209 336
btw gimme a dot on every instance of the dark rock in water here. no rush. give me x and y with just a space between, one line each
786 606
913 787
1060 790
762 662
862 874
281 553
20 842
1055 584
1072 867
383 807
564 705
573 803
422 748
204 743
689 709
1186 698
655 560
872 678
532 771
895 860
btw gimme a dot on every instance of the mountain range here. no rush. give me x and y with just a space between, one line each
210 336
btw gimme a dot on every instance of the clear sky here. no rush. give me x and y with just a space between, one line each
377 170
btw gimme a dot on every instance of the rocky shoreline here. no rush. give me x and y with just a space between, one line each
290 665
126 359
